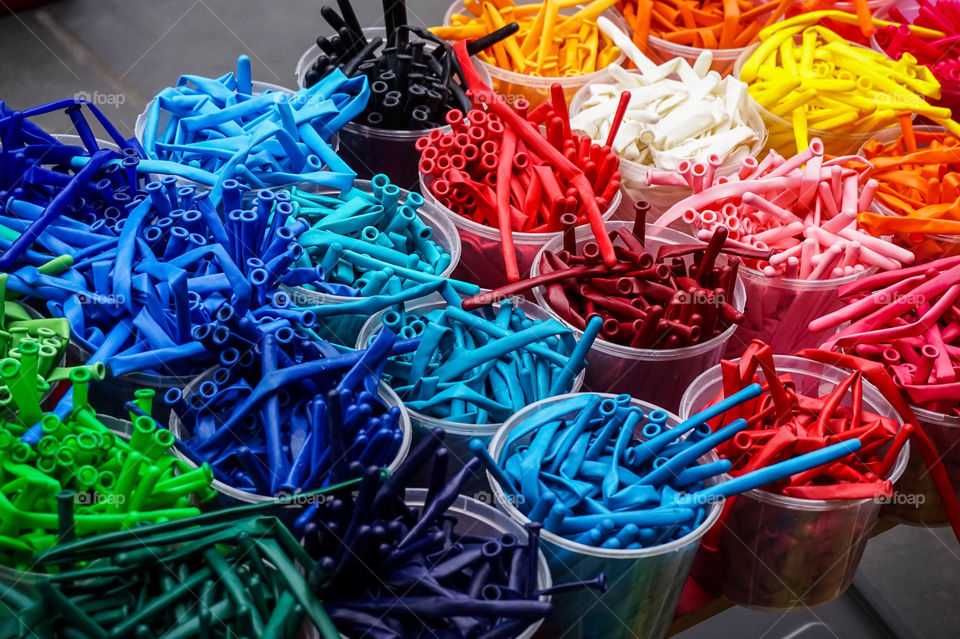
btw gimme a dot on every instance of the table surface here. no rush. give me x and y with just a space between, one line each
119 53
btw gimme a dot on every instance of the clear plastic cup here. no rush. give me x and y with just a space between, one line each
654 375
140 125
474 517
481 260
932 245
878 8
459 434
644 585
233 496
343 329
258 87
780 131
371 150
780 553
851 31
917 502
633 175
723 59
75 140
661 50
23 582
779 310
536 90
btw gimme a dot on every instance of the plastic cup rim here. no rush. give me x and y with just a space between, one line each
799 284
686 51
390 134
932 417
67 138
